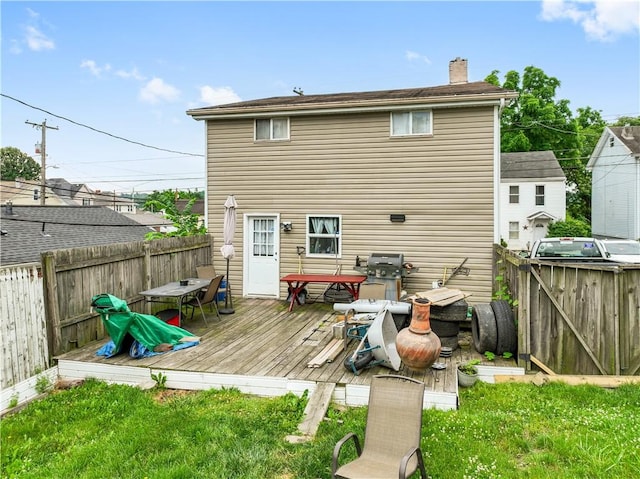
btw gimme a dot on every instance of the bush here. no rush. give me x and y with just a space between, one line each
569 227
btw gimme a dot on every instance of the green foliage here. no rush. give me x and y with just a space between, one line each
469 367
16 164
160 379
569 228
43 384
490 356
502 289
14 400
185 222
513 431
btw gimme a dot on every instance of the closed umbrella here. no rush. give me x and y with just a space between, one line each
227 249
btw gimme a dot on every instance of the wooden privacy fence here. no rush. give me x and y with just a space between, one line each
73 276
22 324
575 318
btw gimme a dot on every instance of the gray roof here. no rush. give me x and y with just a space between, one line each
530 164
64 227
63 188
629 135
382 97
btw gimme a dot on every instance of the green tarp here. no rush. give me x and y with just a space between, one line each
150 331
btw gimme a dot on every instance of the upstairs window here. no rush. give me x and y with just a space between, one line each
514 194
539 195
272 129
324 236
411 123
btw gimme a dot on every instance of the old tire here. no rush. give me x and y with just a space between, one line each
362 359
506 326
445 328
483 328
452 312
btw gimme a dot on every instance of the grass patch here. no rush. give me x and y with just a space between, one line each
500 431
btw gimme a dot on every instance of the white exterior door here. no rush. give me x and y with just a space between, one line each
262 255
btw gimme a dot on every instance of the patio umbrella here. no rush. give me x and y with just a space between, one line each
227 249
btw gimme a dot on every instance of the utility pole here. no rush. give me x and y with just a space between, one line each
43 153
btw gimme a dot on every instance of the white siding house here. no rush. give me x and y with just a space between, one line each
532 194
615 183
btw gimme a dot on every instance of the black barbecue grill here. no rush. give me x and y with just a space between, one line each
386 268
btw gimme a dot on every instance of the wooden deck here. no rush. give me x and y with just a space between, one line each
261 349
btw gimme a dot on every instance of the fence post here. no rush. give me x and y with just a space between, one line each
51 306
524 315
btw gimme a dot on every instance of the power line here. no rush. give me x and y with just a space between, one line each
100 131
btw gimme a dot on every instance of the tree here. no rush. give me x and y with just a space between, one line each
16 164
536 121
186 223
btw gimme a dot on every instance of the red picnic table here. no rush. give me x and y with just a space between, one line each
298 281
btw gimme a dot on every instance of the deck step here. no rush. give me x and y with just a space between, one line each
314 412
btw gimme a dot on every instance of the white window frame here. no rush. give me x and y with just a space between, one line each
409 115
514 230
514 194
539 196
312 236
272 129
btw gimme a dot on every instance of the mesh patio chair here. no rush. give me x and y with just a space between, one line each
209 271
392 434
210 297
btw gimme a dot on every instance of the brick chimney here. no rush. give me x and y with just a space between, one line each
458 71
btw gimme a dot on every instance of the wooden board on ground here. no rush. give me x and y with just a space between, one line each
572 380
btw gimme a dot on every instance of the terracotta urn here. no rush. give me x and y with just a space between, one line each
417 345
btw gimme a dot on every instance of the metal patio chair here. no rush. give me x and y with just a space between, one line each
210 297
392 434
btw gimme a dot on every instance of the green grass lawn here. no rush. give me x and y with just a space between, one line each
500 431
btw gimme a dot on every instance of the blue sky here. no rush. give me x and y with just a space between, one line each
131 69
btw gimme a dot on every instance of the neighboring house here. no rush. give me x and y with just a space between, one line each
28 231
615 183
412 172
121 204
532 195
58 192
71 193
155 221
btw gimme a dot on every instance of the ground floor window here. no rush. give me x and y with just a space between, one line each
514 230
324 235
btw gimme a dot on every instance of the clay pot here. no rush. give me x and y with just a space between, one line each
417 345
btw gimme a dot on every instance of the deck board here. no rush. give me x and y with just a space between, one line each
262 339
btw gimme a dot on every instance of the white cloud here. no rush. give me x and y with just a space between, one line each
218 96
156 90
38 41
413 56
602 20
94 68
134 73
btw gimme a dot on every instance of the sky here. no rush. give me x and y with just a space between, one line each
116 78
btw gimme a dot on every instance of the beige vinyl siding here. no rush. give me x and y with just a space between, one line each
350 165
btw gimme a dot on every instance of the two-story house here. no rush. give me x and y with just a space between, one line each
344 175
532 194
615 183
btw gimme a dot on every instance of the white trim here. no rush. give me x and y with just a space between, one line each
496 174
25 391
